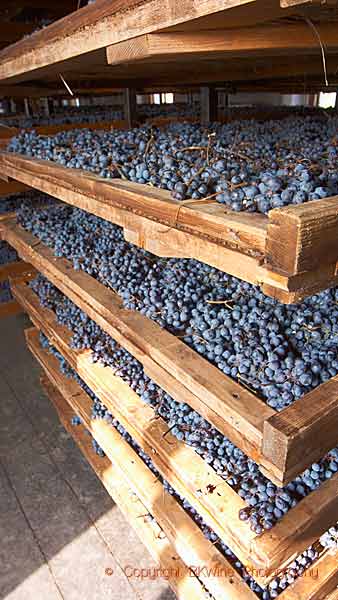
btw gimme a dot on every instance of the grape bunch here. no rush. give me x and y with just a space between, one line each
280 352
246 165
265 502
277 585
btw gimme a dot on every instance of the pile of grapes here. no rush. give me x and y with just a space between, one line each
279 352
277 585
266 503
67 116
246 165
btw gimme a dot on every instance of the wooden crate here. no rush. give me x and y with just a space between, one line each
187 472
291 253
185 536
183 584
274 440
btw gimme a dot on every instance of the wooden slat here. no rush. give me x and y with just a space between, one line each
317 586
301 527
103 197
183 583
333 595
185 535
304 237
310 423
194 45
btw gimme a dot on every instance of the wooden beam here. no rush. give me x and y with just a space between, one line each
130 112
309 426
201 44
208 104
97 26
303 237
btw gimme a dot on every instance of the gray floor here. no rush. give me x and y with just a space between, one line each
59 529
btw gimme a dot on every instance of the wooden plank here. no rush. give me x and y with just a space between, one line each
96 26
9 308
240 413
304 237
310 424
105 125
185 535
130 110
183 583
333 595
194 45
209 98
301 527
323 580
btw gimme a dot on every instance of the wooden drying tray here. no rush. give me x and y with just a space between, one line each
186 471
274 440
304 589
181 581
291 254
186 537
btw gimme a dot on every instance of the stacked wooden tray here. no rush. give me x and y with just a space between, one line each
186 541
189 475
291 253
274 440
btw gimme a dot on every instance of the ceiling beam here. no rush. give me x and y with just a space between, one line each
99 25
282 37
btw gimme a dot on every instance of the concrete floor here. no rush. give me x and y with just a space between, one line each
59 529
